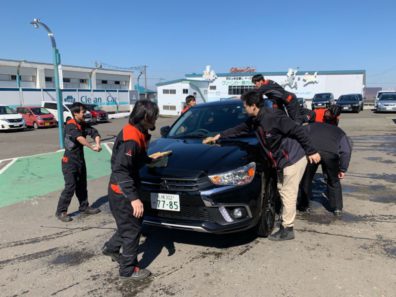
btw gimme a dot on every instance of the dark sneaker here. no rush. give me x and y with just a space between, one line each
282 234
337 213
90 210
64 217
137 274
304 210
115 256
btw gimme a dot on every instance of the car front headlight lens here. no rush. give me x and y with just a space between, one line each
39 118
237 177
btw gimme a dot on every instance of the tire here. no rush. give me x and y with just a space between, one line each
35 126
267 219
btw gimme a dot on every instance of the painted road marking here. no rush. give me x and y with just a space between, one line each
10 162
38 175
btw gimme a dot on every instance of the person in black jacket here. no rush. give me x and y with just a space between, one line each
287 147
129 155
73 162
281 99
335 149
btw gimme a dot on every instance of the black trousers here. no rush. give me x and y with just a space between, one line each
75 176
127 235
331 167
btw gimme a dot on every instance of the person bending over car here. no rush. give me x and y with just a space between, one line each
129 155
335 149
285 144
281 99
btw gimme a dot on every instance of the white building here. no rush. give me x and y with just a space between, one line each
30 83
305 84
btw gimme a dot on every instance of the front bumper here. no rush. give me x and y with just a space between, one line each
12 126
208 210
383 108
51 123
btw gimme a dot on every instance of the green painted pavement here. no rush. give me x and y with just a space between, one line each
39 175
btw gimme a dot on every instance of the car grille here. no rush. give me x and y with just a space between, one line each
190 213
177 185
14 120
47 119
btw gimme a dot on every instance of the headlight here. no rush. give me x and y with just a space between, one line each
40 118
237 177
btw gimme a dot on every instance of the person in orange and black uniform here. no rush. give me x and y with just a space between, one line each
129 155
335 149
190 102
329 115
281 99
73 162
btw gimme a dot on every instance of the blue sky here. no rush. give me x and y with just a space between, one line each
177 37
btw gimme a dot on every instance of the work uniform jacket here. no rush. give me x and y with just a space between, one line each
74 150
129 155
331 139
281 98
282 139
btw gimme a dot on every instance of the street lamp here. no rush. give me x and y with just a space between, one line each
138 93
36 24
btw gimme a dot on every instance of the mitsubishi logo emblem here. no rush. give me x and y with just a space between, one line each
164 185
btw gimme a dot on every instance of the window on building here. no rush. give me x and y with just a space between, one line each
48 79
168 91
104 82
169 107
83 81
185 91
13 77
66 80
116 82
239 90
212 88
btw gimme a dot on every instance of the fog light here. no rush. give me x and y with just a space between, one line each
238 213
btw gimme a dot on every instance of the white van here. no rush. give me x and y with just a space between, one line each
10 119
52 107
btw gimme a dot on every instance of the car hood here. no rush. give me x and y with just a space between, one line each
391 102
192 159
10 116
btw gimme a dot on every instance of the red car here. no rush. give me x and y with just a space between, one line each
36 116
98 115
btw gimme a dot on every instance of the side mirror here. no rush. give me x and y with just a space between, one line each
164 131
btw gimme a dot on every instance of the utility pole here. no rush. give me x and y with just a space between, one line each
145 81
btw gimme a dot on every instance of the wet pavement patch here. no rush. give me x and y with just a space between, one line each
379 159
29 257
72 258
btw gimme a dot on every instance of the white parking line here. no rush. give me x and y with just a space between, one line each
8 165
106 145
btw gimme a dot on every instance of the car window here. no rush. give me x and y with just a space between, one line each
322 97
7 110
347 98
50 105
40 111
204 121
388 97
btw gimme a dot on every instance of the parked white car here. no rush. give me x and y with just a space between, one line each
10 119
52 107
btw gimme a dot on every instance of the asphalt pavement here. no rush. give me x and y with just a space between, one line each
351 256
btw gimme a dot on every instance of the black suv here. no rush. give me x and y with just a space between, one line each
221 188
322 100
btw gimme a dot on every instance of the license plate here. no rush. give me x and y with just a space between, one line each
162 201
46 124
345 107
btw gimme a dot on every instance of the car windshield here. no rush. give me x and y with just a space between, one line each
40 111
347 99
7 110
388 97
92 107
207 121
322 97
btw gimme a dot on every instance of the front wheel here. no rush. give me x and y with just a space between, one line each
267 219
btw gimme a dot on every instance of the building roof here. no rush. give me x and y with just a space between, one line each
299 72
142 90
169 82
64 65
